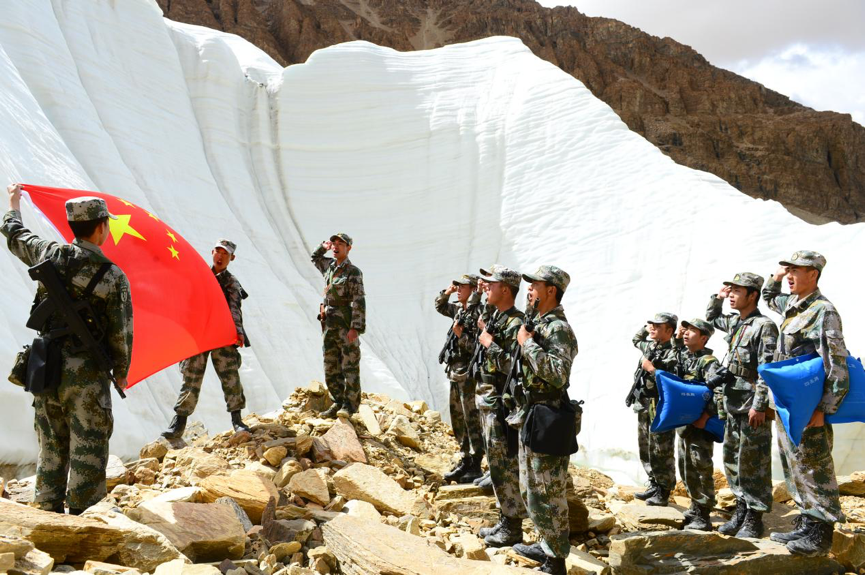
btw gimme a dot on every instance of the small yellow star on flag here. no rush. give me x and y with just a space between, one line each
174 252
130 204
152 216
120 227
172 236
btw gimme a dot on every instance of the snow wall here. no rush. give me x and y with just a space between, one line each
436 162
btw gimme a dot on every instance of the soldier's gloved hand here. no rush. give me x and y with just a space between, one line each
724 292
14 191
352 335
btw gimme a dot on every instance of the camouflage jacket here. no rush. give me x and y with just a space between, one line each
504 327
809 325
344 297
549 355
111 298
234 296
698 367
751 344
665 356
466 342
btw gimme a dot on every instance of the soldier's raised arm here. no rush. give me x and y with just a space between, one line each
714 315
443 305
24 244
772 295
319 260
641 340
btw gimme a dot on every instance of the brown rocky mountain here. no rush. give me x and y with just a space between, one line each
703 117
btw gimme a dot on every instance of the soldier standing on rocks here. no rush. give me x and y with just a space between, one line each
547 356
498 338
226 360
811 324
465 418
747 431
485 312
656 449
344 311
696 363
73 418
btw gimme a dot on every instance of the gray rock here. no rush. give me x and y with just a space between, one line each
238 511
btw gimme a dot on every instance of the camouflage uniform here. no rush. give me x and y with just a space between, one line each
696 445
503 326
747 451
547 358
345 308
811 324
74 421
657 450
465 418
226 360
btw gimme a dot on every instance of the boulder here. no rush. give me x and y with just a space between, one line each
198 464
419 406
116 472
286 472
362 510
102 568
725 498
370 484
343 444
471 547
578 514
852 484
637 516
181 568
310 485
398 408
779 492
238 512
275 455
849 549
284 551
369 419
261 469
18 547
7 561
405 433
462 491
201 531
190 494
155 449
581 563
283 530
600 522
250 490
433 416
34 562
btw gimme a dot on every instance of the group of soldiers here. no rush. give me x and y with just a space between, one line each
490 343
810 323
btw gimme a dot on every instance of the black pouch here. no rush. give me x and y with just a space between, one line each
43 366
552 430
18 376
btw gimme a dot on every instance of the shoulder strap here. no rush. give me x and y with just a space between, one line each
97 277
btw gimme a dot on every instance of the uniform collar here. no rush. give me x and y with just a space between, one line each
804 303
85 245
557 312
345 263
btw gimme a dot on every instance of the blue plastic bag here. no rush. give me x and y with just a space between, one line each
682 403
853 407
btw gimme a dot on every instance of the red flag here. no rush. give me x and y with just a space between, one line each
179 309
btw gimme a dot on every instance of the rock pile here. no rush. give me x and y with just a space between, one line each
303 495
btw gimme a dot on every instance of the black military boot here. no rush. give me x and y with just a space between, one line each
331 411
801 527
660 498
73 511
510 533
472 470
692 511
458 469
643 495
57 508
176 429
345 411
555 565
701 521
752 527
534 551
732 526
484 531
237 422
818 541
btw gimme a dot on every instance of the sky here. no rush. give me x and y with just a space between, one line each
813 52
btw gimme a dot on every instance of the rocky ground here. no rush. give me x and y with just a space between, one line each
304 495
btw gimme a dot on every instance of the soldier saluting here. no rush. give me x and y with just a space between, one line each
73 413
343 319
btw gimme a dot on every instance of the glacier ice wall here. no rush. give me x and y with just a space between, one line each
436 162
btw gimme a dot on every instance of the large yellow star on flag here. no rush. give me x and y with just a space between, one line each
174 252
120 227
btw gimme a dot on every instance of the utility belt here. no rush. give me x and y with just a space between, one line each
745 373
533 396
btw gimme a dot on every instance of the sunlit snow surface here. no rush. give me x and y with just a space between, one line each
436 162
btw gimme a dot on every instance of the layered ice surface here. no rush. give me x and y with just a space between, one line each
436 162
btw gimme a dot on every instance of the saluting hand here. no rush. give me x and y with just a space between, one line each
327 245
14 196
450 289
780 273
724 292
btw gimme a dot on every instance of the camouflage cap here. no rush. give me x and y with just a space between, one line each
490 270
341 236
746 280
806 258
227 245
467 280
87 209
505 275
702 325
550 274
665 318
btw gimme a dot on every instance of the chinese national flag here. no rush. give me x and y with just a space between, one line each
179 309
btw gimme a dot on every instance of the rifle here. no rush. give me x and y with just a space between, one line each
449 351
479 353
70 312
513 386
640 388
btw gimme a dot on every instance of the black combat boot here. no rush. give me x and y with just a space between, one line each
73 511
472 470
554 565
643 495
484 531
534 552
331 411
57 508
510 533
177 427
732 526
818 541
692 511
458 469
801 527
700 521
237 422
752 527
660 498
344 411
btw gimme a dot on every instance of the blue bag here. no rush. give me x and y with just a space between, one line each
853 407
682 403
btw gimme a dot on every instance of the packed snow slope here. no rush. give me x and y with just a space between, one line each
436 162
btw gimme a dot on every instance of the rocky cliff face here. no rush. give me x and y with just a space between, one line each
703 117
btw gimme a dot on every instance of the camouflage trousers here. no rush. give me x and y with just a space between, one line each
695 464
504 472
73 425
543 486
656 452
748 461
465 417
342 367
810 472
226 361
